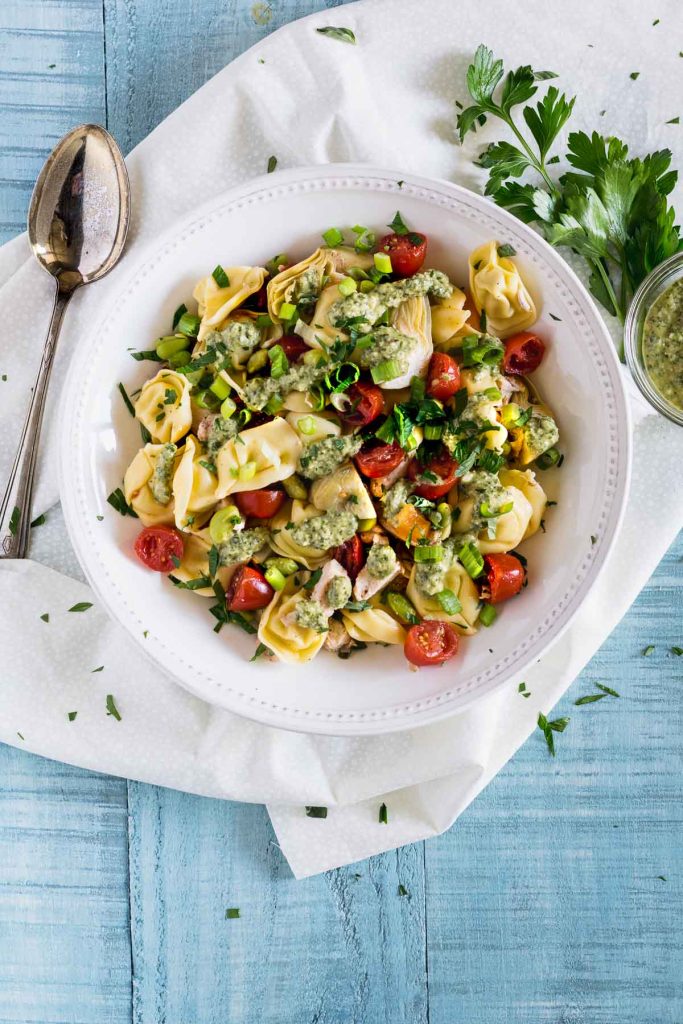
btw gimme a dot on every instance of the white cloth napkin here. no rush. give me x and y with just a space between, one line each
309 99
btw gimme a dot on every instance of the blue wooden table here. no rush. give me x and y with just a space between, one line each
556 898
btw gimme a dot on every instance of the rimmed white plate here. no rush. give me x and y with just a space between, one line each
374 691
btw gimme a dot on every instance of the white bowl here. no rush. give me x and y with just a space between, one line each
374 691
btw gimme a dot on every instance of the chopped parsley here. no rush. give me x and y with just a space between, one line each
71 715
98 669
38 521
343 35
126 400
316 812
523 690
111 708
232 913
82 606
45 616
548 728
118 502
647 651
383 817
272 164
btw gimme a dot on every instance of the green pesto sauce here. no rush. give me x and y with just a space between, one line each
541 433
338 591
663 343
322 457
484 489
259 391
381 561
371 305
239 337
310 615
396 497
304 291
220 432
160 483
430 577
242 545
388 343
326 531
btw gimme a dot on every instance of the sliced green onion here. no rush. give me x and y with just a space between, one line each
493 393
257 361
487 615
263 320
275 578
366 524
388 370
170 344
365 238
295 487
383 262
273 266
509 414
548 459
228 408
182 308
306 425
244 417
489 513
205 399
449 602
428 553
223 523
412 442
274 405
433 431
417 389
367 286
179 359
472 561
247 471
220 388
220 277
342 377
347 286
402 608
318 396
485 350
287 311
189 325
279 363
358 274
285 566
332 237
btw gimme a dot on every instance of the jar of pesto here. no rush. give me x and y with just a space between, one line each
653 338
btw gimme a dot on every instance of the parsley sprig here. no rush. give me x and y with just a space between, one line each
610 209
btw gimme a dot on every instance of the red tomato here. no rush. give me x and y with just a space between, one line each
431 643
505 576
523 353
441 466
262 504
248 590
367 403
293 346
376 459
350 555
157 546
443 377
407 252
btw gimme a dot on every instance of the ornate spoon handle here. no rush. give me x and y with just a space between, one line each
15 510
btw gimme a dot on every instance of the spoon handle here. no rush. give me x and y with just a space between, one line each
15 510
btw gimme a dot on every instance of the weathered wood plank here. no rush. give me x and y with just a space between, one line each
64 923
51 78
343 948
544 903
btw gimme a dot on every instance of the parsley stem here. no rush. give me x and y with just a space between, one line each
536 162
607 281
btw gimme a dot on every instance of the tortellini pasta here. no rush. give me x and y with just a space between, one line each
373 625
510 528
194 487
195 564
281 633
498 289
302 281
137 491
527 483
284 544
257 457
449 321
311 427
464 588
216 303
163 406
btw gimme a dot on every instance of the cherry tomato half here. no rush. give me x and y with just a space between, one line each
441 466
248 590
377 459
293 347
505 575
431 643
350 555
157 546
261 504
523 353
443 377
367 403
407 252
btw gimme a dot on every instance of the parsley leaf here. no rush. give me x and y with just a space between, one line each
548 728
343 35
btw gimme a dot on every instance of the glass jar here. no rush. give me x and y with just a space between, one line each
654 284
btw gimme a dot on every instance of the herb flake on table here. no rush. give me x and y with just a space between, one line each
634 75
39 521
383 816
112 708
98 669
548 728
523 690
82 606
316 812
71 715
232 913
402 891
647 651
272 164
674 120
678 651
343 35
45 616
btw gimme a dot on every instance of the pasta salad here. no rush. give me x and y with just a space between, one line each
344 450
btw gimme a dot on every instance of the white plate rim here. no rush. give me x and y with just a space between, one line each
424 710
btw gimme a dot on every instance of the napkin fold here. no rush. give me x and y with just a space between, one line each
360 104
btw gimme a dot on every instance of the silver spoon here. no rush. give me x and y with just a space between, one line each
77 225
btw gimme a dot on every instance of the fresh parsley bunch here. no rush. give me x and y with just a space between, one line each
611 209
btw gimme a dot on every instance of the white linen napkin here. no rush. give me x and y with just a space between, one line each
389 101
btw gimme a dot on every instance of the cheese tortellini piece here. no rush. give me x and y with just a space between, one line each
282 634
456 579
258 457
282 541
137 490
311 427
526 482
373 625
163 406
216 303
449 321
194 487
498 289
195 564
302 281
